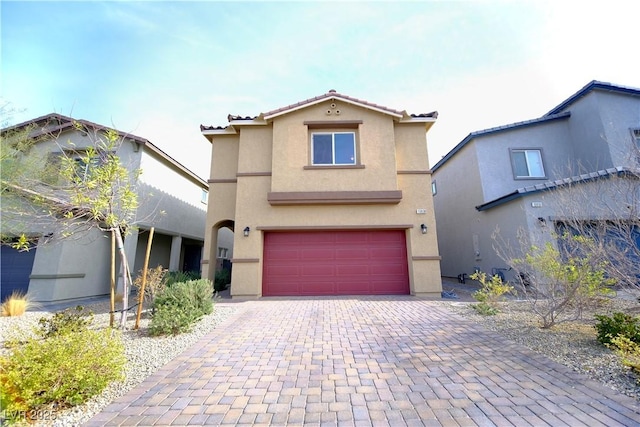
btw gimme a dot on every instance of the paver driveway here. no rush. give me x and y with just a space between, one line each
363 361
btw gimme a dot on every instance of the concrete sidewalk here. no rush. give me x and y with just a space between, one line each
363 361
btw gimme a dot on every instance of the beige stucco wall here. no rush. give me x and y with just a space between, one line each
272 158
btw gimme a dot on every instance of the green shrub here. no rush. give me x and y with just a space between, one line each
628 350
64 322
64 369
563 283
490 294
180 276
609 327
222 279
179 306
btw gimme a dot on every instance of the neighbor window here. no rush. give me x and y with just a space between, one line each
333 148
434 188
527 163
204 196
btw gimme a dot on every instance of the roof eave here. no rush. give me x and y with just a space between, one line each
329 97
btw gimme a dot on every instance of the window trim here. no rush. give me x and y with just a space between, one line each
513 163
333 164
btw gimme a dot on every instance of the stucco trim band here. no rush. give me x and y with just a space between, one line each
426 258
222 181
333 124
334 197
245 260
333 227
58 276
239 174
424 172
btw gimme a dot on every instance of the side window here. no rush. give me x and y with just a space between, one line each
333 148
434 188
527 163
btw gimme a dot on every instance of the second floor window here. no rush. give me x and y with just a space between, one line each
333 148
527 163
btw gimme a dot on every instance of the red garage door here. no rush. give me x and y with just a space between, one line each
335 263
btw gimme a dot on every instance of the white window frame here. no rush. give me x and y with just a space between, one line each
333 149
204 197
527 151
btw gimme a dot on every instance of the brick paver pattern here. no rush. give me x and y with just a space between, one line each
363 361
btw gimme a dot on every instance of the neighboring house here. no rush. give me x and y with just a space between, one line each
521 176
172 199
327 196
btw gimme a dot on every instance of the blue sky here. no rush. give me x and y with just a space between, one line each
160 69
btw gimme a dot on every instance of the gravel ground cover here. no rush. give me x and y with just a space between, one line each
572 344
145 355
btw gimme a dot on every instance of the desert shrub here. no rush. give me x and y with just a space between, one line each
562 284
181 276
16 304
490 294
628 350
155 283
221 280
179 306
65 369
610 327
65 322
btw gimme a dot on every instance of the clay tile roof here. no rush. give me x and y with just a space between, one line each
203 128
433 114
231 117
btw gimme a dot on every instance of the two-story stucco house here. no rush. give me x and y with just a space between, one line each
328 196
172 199
521 177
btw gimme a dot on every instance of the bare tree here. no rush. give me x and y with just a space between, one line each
65 195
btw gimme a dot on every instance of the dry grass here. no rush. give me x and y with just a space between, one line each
17 304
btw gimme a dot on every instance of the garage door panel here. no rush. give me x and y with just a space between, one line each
283 254
317 270
352 270
317 254
335 263
352 253
389 253
353 288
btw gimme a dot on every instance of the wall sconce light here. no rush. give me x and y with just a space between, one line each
246 231
423 228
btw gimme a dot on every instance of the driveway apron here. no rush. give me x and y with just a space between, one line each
363 361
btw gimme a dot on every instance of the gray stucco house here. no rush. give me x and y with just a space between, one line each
172 199
516 177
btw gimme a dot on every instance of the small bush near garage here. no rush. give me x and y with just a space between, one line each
222 279
180 305
62 364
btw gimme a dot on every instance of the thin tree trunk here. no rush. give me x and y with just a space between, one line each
113 281
125 276
144 277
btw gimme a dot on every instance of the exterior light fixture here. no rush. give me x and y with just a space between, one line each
246 231
423 228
